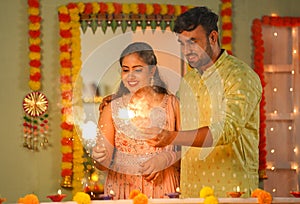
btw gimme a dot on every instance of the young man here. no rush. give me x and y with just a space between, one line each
219 101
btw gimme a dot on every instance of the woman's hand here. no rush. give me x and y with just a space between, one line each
105 101
154 166
99 154
151 168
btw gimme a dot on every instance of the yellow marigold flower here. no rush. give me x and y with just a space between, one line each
78 168
211 200
34 55
64 26
63 10
126 8
66 165
74 17
65 72
226 19
81 7
177 10
34 85
34 70
34 26
110 8
34 41
66 133
164 9
66 149
227 33
33 11
74 11
82 198
96 7
64 55
134 8
226 5
149 9
64 41
227 46
206 191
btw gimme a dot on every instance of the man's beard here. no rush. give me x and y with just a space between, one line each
205 60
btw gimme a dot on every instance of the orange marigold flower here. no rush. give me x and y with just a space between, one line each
134 193
263 197
29 199
140 199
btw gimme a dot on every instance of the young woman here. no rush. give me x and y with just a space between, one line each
142 100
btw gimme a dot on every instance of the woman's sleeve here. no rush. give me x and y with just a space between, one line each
106 125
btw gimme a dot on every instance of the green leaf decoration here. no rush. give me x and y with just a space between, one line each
172 24
133 25
104 26
124 26
153 25
163 25
94 25
84 26
143 25
114 25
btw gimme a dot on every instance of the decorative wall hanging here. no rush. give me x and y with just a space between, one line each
35 104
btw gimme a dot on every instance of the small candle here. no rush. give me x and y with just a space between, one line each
238 189
59 192
111 192
178 190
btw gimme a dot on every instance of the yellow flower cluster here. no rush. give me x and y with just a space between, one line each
208 194
82 198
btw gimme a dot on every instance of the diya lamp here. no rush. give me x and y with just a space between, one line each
236 194
175 194
296 193
57 197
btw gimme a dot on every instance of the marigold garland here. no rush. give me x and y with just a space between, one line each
34 44
226 13
259 69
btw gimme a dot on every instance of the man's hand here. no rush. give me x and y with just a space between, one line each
105 101
161 139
